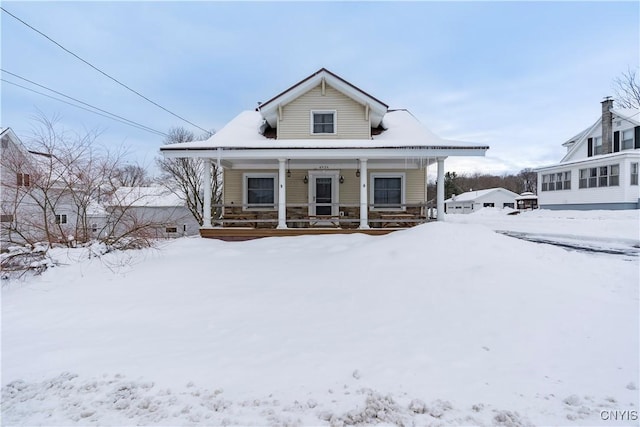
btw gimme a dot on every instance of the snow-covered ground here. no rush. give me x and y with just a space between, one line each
444 324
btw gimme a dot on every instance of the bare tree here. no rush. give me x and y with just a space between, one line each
627 89
184 176
131 175
529 180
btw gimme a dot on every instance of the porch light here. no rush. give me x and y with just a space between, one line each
306 179
358 172
341 179
288 170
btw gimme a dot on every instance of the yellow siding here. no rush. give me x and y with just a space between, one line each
295 122
298 191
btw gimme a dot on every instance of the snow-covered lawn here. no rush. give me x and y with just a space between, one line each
444 324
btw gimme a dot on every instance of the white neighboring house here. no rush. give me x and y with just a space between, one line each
600 168
160 212
473 201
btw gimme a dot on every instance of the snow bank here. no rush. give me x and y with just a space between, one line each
436 324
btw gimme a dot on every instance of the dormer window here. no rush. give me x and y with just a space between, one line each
323 122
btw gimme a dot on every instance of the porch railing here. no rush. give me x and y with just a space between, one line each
343 215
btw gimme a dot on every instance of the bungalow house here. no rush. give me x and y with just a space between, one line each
473 201
154 212
322 156
600 168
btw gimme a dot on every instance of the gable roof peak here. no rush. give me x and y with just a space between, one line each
269 108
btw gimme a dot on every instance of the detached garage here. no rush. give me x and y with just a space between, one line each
473 201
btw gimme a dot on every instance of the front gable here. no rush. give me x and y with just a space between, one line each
323 106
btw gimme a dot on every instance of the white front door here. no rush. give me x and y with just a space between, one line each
323 193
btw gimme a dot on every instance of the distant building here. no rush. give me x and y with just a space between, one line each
473 201
600 169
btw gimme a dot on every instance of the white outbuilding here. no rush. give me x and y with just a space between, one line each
472 201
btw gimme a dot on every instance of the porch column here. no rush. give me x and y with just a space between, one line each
206 208
440 189
364 208
282 194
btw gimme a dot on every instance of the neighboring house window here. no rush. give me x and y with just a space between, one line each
323 122
508 205
260 190
489 205
556 181
6 218
388 191
602 176
597 145
61 219
171 229
634 174
23 179
94 228
627 139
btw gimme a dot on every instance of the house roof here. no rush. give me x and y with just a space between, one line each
470 196
156 197
269 109
402 130
630 114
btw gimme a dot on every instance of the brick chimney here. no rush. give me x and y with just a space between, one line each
607 125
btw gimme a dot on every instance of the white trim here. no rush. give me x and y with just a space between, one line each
335 189
372 189
335 121
245 192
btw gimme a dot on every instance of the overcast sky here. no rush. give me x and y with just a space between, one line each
520 77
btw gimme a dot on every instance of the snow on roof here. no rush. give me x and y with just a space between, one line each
402 130
473 195
632 114
156 197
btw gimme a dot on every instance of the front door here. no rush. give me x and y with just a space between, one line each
323 193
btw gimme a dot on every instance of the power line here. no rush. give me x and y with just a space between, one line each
84 103
142 127
102 72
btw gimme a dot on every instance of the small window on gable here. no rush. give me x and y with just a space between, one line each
61 219
23 179
627 139
171 229
323 122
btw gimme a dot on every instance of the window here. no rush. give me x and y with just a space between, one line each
23 179
627 139
6 218
489 205
94 228
556 181
597 145
614 175
260 191
634 174
171 229
582 182
567 180
388 191
508 205
61 219
602 176
323 122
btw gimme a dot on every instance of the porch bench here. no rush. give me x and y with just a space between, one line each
398 220
240 220
324 221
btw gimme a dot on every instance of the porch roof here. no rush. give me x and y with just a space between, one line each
402 131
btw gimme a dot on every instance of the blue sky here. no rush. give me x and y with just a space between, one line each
520 76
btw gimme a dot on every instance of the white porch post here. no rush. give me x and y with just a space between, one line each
282 194
206 208
440 189
220 180
364 208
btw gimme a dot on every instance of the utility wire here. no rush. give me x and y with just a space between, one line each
142 127
83 103
102 72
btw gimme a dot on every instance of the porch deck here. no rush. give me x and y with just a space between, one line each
237 234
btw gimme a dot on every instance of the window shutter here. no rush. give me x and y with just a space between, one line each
616 141
589 147
636 137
